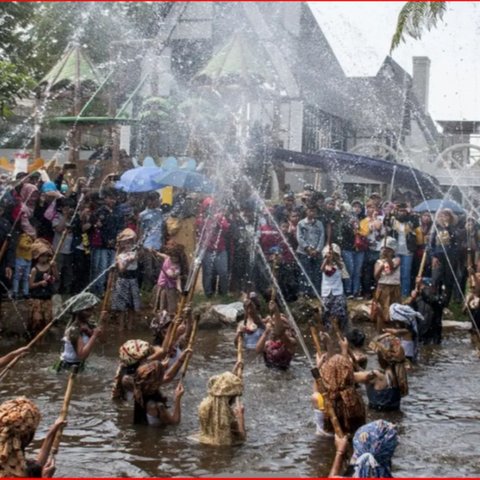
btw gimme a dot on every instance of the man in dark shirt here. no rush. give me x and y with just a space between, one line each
102 242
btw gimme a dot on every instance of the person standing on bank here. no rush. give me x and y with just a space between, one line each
311 240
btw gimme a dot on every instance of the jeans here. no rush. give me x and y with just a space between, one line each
215 264
21 276
101 260
371 256
353 263
405 273
312 267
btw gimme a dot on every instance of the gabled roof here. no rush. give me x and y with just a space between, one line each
237 62
72 64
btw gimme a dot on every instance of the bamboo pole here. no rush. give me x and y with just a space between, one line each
321 386
187 296
191 340
64 411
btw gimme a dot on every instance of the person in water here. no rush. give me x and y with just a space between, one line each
252 327
389 384
81 333
373 447
150 406
19 420
133 354
222 417
277 342
340 380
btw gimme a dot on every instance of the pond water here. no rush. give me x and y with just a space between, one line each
438 424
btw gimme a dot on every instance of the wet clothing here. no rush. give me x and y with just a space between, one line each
431 306
140 415
217 420
373 448
387 399
337 375
250 339
276 355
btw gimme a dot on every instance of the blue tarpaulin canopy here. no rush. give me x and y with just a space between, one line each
366 167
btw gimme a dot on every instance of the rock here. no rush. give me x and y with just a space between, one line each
456 325
360 312
218 316
304 309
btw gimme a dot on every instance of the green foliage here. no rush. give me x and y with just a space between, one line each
14 84
416 17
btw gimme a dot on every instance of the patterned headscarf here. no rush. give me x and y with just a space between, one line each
215 413
132 351
147 380
19 419
373 448
337 375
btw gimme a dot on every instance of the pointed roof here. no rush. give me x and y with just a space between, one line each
237 62
65 70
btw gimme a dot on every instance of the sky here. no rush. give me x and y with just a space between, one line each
360 34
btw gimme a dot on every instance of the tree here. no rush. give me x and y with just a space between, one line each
14 84
414 18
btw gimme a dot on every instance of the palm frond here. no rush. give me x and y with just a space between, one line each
414 18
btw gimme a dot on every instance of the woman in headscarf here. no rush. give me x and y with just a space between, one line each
373 448
222 421
19 420
151 406
81 333
385 389
25 209
133 354
404 319
339 379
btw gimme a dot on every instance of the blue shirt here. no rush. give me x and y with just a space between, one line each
151 222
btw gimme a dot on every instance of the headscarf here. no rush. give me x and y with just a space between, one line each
19 419
337 375
147 380
373 448
24 211
406 315
41 247
215 413
132 351
390 349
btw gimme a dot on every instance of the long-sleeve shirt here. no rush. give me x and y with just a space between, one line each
310 234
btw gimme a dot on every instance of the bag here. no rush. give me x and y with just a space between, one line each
360 243
411 242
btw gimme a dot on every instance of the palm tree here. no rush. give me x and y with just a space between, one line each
414 18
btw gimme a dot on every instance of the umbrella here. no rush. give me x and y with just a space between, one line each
186 179
437 204
139 179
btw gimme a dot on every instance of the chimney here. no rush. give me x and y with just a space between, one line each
421 80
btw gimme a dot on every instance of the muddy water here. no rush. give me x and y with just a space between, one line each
439 423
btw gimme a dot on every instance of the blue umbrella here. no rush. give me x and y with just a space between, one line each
437 204
186 179
139 179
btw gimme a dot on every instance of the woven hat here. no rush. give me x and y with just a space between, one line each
41 247
126 235
82 301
